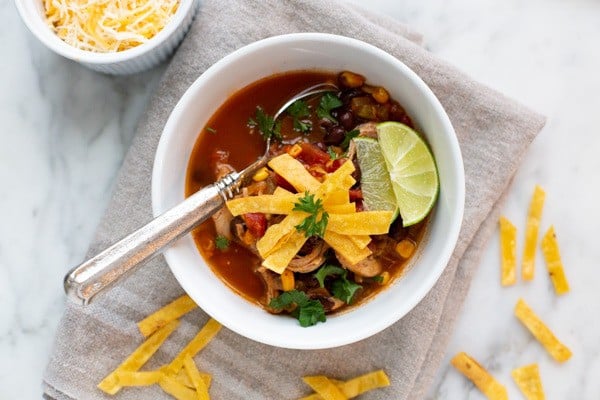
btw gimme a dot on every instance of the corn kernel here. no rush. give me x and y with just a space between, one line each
351 80
295 150
385 277
405 248
287 280
380 95
261 175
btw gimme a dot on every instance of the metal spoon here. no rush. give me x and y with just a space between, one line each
96 274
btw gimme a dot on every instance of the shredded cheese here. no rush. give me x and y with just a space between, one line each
108 25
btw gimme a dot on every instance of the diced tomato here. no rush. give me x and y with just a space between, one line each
256 223
359 206
333 165
311 154
280 181
355 194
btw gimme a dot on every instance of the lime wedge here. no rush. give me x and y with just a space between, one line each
375 182
412 170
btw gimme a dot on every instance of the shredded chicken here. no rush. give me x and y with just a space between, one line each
311 261
368 129
273 285
329 302
368 267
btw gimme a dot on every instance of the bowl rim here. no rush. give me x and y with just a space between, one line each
40 29
445 252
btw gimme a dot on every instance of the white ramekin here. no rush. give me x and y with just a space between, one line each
309 51
130 61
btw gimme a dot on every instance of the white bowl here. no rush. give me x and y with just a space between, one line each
309 51
139 58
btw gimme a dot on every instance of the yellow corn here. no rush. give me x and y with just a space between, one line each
380 95
385 277
287 280
405 248
351 80
295 150
261 175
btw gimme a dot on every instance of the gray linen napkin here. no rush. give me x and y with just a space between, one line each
494 133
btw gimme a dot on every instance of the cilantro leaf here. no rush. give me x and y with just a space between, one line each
332 154
298 111
312 225
328 102
378 279
221 242
310 313
267 126
344 289
307 311
287 299
327 270
349 136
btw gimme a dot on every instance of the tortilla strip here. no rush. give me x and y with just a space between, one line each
323 386
139 357
531 233
357 386
199 383
294 172
362 223
541 332
348 208
204 336
166 314
275 233
360 241
278 259
554 263
335 181
266 203
183 377
176 389
337 197
528 380
508 247
346 247
138 378
485 382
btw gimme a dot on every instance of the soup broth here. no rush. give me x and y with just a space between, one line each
229 141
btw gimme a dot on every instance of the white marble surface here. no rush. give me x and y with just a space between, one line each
65 130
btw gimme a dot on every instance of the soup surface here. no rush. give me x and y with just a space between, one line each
319 136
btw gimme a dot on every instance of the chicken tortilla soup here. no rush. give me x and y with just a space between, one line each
341 206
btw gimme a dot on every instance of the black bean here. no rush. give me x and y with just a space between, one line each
346 119
349 94
325 124
335 136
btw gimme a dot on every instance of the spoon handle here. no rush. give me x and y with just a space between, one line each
94 275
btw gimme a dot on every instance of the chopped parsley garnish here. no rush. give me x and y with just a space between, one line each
328 102
299 111
316 222
267 126
349 136
307 311
211 130
221 242
378 279
342 288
